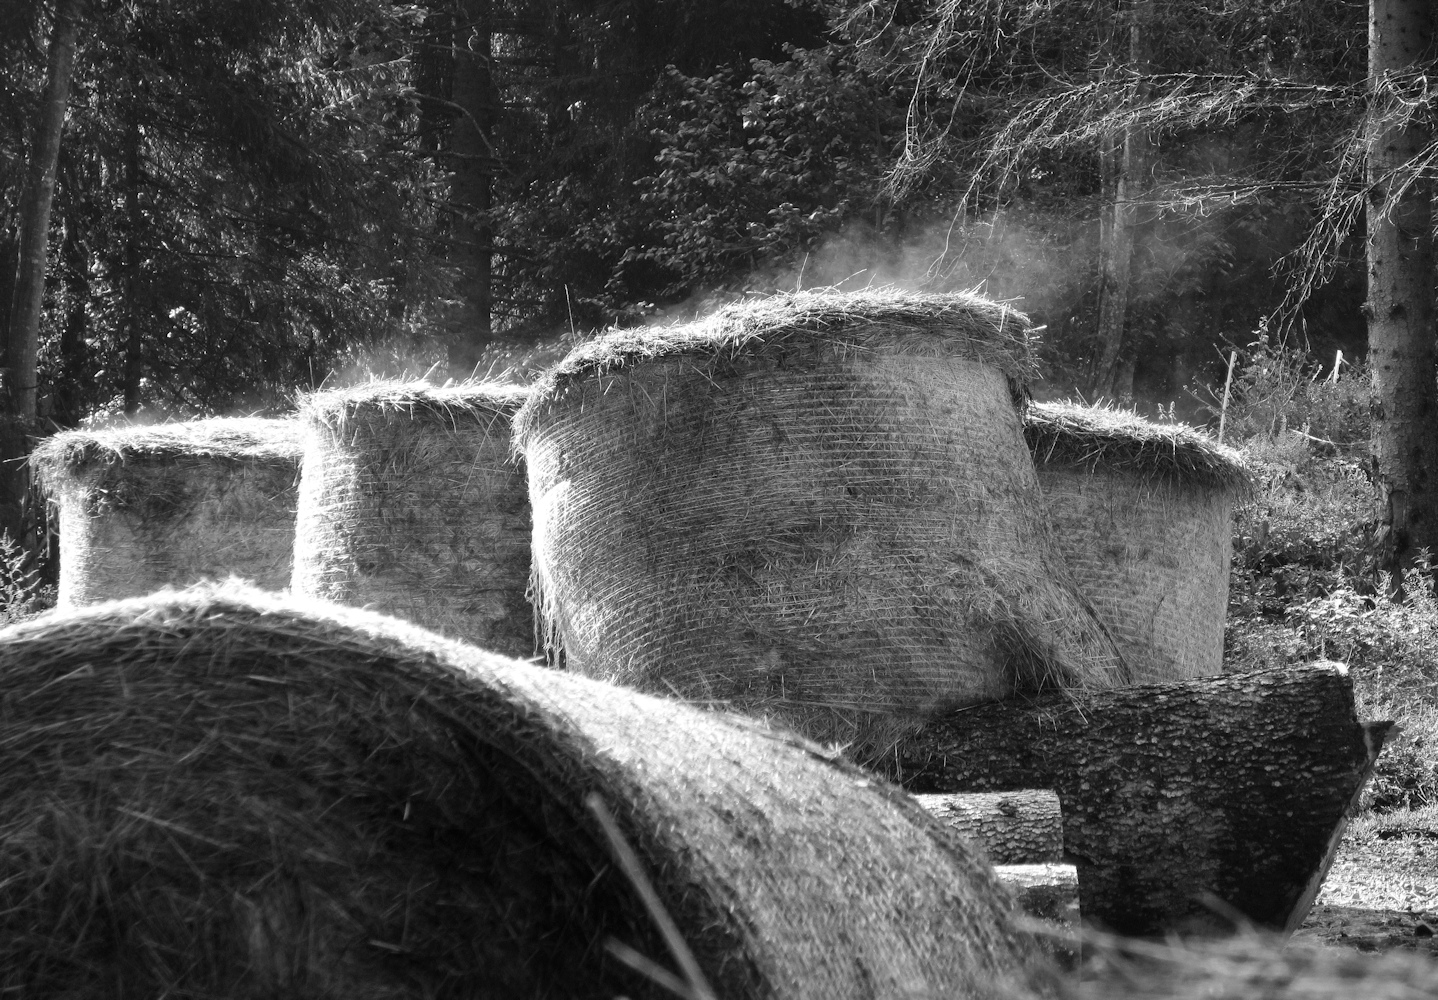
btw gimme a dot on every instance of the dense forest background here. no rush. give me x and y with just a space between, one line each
257 197
254 198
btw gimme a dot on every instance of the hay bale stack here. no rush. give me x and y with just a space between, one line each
1142 512
411 504
815 506
222 792
169 504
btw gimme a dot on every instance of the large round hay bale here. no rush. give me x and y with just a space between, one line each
169 504
411 504
222 792
817 506
1142 513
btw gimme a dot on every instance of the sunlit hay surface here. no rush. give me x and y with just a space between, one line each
411 503
1249 966
1142 513
222 792
1092 436
816 507
169 504
789 328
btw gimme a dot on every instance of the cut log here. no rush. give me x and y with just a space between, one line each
1049 895
1180 801
1013 828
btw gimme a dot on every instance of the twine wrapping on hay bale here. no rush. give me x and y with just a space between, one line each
817 506
410 503
1141 512
221 792
170 504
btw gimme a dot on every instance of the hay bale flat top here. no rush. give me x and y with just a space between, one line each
956 324
249 440
388 400
1065 433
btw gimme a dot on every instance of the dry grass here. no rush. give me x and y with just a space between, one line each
238 439
222 792
411 400
813 506
1248 966
410 503
167 504
785 329
1142 512
1067 433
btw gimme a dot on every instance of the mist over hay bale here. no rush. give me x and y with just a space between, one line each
1142 514
815 506
170 504
410 503
222 792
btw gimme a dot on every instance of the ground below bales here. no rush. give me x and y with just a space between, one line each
1382 891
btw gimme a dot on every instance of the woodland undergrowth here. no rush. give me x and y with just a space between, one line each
1306 582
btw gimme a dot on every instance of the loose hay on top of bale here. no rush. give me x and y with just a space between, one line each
1141 512
169 504
222 792
410 503
815 506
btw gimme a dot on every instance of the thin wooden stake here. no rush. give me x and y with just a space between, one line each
1227 384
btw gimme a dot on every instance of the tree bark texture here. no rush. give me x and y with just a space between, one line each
475 163
133 370
1125 166
18 398
68 407
35 202
1400 306
1234 787
1014 828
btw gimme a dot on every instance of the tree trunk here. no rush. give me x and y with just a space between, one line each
17 400
1400 306
473 182
1235 787
74 374
1125 166
133 370
1013 828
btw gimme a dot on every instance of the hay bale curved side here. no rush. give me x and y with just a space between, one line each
1142 513
410 503
257 794
169 504
833 522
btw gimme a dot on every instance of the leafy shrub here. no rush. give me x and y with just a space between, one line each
1308 527
21 592
1278 389
1404 779
1392 651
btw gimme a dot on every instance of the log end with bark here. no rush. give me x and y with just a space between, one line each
1014 828
1185 804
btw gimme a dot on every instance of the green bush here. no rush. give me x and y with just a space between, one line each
21 592
1306 582
1391 650
1278 391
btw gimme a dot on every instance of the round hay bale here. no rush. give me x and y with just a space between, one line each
816 506
222 792
170 504
1142 513
410 503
